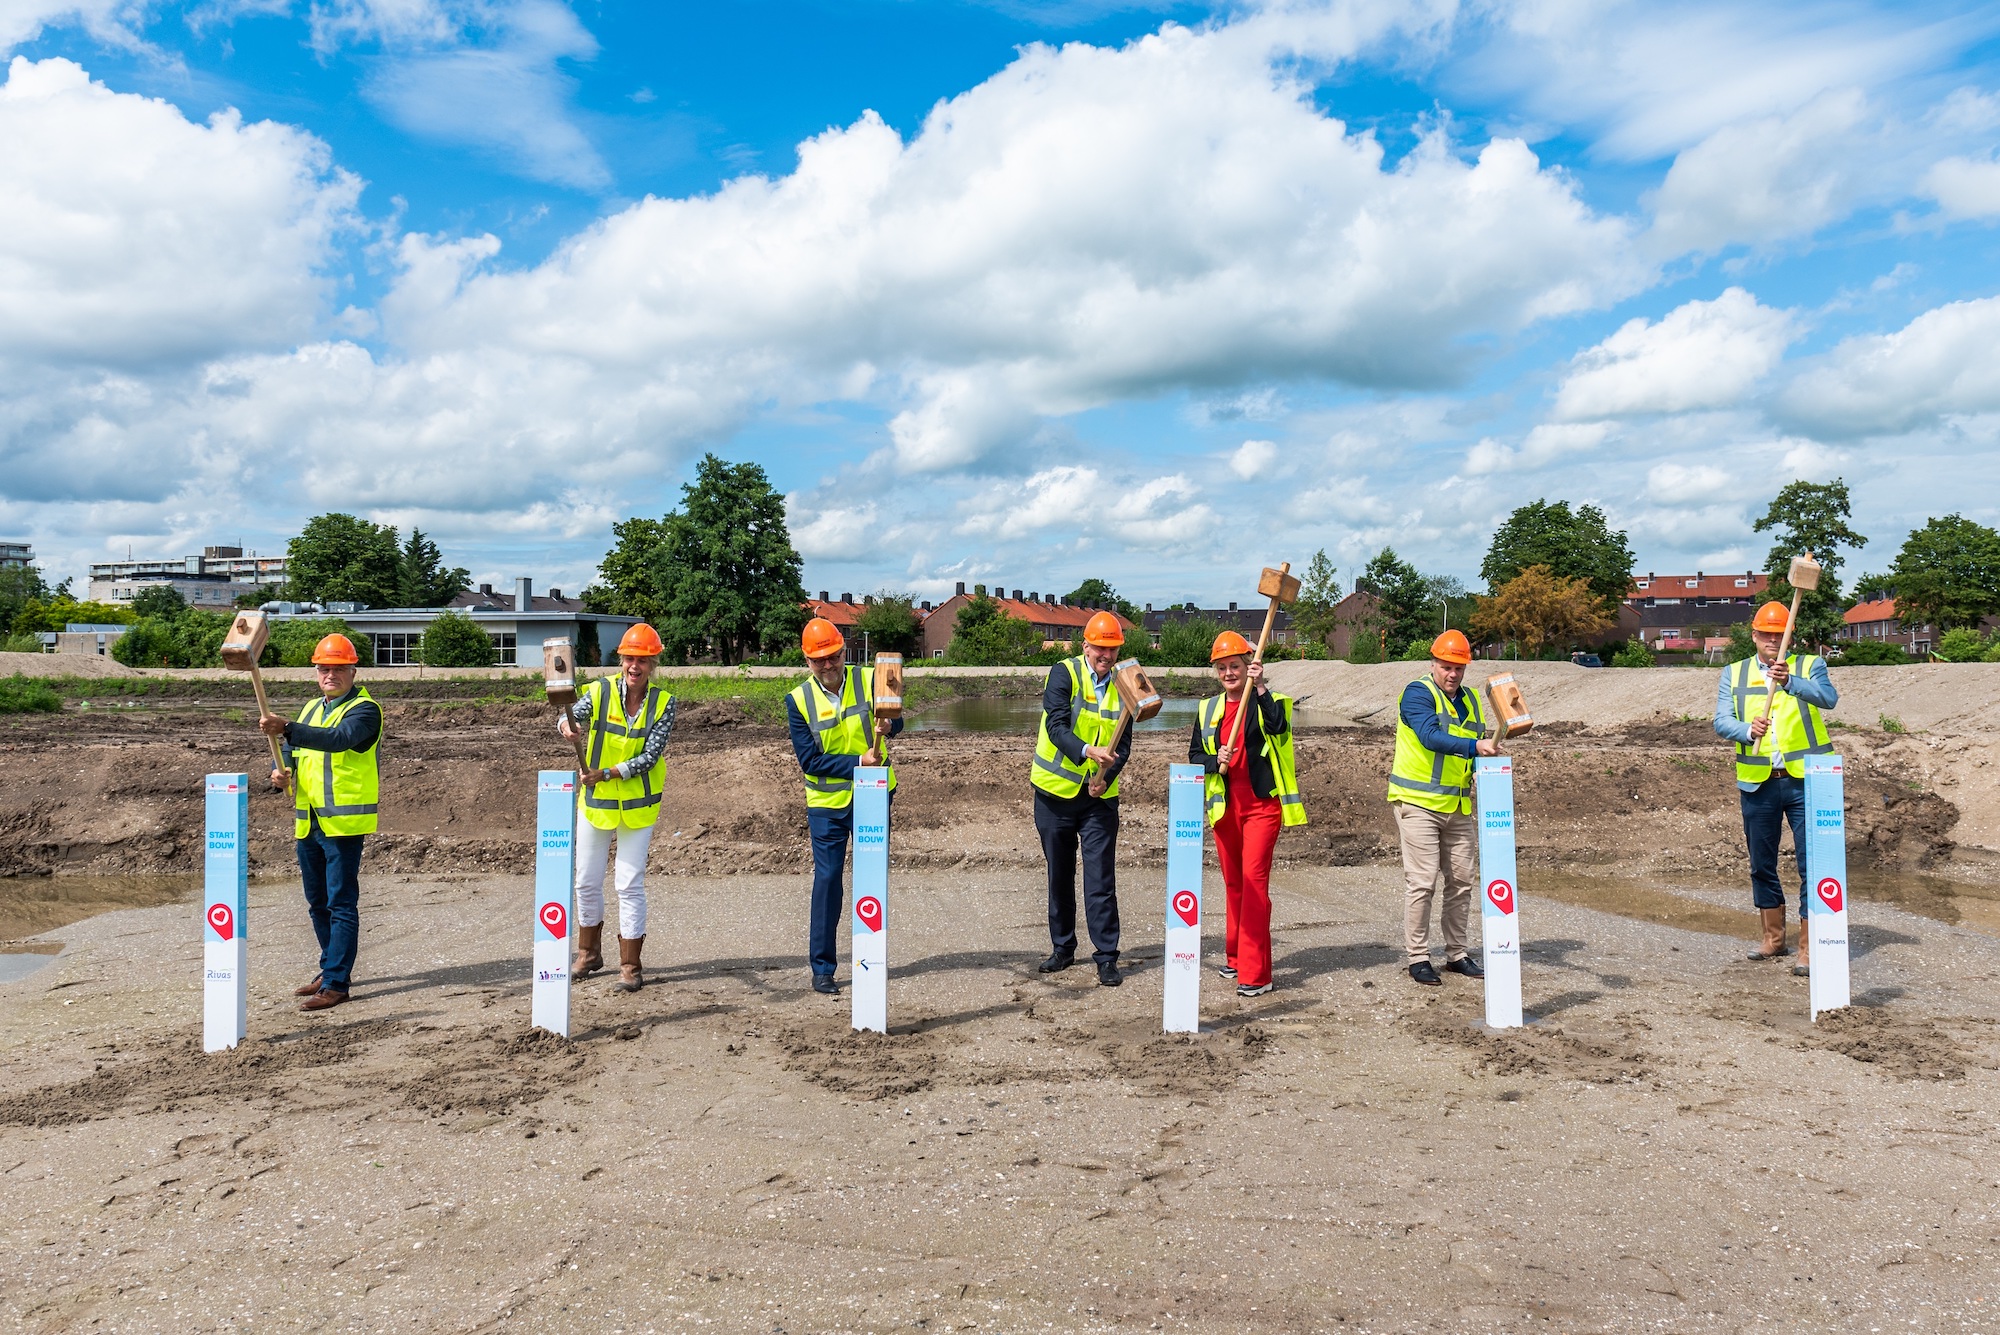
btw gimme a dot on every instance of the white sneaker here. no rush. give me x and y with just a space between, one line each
1227 971
1244 990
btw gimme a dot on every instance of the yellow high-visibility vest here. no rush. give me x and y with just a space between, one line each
1797 729
633 803
1431 779
1278 750
341 788
840 726
1095 723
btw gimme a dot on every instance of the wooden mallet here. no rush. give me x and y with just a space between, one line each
1507 706
1803 577
1138 700
888 700
559 682
240 650
1282 588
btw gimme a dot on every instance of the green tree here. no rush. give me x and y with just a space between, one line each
624 585
985 636
19 586
1961 644
1185 642
890 624
422 579
1948 574
189 639
61 610
338 558
1319 594
1811 517
454 639
160 600
1098 593
291 643
1573 545
1870 653
727 573
1741 646
1403 613
148 642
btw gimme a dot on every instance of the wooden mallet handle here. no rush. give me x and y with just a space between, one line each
1791 622
1263 638
263 709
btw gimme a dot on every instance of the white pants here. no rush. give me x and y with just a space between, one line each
592 844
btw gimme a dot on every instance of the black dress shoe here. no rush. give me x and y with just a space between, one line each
1468 966
1423 971
1055 963
823 982
1108 975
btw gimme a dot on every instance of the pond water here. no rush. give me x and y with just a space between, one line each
978 713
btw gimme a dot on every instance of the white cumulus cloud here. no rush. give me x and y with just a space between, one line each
1704 354
1965 187
1253 457
1938 365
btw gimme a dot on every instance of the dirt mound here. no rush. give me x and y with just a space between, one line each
1541 1048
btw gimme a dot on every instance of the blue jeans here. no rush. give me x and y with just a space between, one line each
330 866
831 828
1090 825
1766 810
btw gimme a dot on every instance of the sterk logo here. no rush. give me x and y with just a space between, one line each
223 919
869 910
1502 895
555 918
1187 905
1830 894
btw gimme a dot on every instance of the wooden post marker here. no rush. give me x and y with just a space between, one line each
868 989
240 650
225 914
1499 898
1181 1009
1804 578
1509 710
555 874
1826 883
1282 588
559 683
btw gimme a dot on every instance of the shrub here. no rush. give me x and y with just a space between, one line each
455 640
21 644
21 694
1960 645
1417 651
1632 654
1874 653
149 643
1186 642
292 642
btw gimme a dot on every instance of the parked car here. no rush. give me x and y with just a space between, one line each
1586 660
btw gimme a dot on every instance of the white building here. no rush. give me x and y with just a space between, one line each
517 623
213 580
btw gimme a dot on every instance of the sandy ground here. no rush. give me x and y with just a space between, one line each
1669 1145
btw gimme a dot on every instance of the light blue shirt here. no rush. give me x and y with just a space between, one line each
1815 688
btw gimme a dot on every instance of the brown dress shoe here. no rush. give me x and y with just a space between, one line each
310 989
323 999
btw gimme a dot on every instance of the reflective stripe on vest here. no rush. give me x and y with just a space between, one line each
1095 723
342 789
615 738
840 728
1277 750
1432 779
1797 728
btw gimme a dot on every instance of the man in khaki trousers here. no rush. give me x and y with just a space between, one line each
1439 730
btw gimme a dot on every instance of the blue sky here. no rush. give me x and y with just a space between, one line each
1010 292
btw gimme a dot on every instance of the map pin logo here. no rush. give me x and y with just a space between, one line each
1830 894
555 919
1502 895
869 910
1188 906
223 920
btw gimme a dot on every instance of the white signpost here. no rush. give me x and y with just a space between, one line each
1499 902
555 874
1181 1008
225 914
1826 880
868 992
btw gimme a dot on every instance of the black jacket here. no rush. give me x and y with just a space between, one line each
1062 731
1267 720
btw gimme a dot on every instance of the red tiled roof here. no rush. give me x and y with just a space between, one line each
1704 586
1053 614
1874 609
840 614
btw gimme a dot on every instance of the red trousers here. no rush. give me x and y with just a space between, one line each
1245 839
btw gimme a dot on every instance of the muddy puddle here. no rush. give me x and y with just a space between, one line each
1958 903
31 905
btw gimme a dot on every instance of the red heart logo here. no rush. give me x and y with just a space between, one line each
869 910
555 918
1188 905
1831 894
1502 895
223 920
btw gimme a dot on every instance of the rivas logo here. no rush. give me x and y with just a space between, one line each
555 918
869 910
1502 895
223 919
1830 894
1187 907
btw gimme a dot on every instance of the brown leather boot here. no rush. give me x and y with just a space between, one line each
1773 944
629 974
589 953
309 990
1803 969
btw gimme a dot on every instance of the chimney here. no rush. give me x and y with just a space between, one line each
1034 597
868 598
1017 595
556 594
847 598
822 595
979 590
926 604
1149 607
524 594
959 594
486 590
1232 607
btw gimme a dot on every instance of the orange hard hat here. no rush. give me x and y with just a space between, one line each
641 641
1228 644
821 638
1451 647
1772 616
1104 631
337 650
